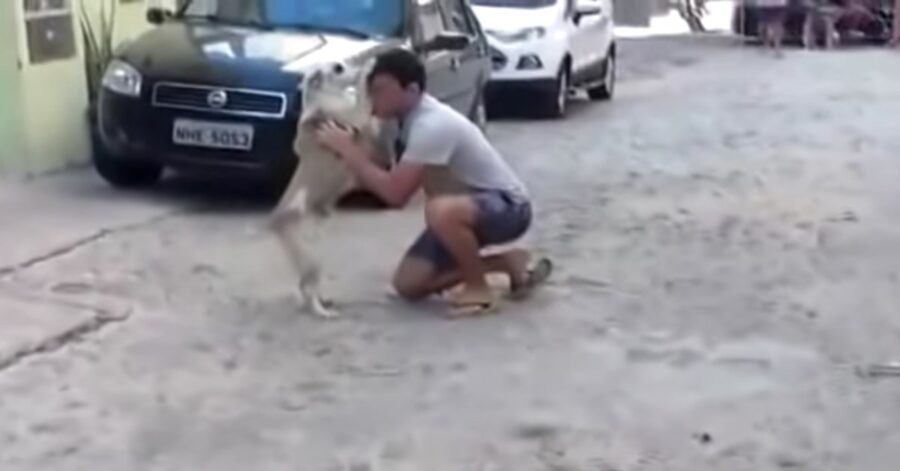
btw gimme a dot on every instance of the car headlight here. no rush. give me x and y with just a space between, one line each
122 78
526 34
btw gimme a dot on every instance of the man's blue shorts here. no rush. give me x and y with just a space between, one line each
502 217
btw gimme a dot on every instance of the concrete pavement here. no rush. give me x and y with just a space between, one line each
725 234
48 216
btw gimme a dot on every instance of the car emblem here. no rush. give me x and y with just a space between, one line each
217 99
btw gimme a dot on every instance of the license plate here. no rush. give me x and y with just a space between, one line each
188 132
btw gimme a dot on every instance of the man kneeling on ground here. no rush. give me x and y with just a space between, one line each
474 199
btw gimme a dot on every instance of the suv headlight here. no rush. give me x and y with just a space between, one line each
526 34
122 78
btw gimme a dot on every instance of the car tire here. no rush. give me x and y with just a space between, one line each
607 88
556 98
125 173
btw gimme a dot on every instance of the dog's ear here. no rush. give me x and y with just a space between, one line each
362 84
312 86
314 81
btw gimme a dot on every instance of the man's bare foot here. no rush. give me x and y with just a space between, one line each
517 261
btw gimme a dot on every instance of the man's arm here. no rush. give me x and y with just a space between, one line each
395 187
429 144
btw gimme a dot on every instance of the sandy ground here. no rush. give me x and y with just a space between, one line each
726 236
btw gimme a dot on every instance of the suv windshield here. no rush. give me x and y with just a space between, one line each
363 18
514 3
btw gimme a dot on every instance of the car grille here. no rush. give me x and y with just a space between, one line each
498 59
242 102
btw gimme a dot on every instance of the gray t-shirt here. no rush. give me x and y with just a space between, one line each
436 135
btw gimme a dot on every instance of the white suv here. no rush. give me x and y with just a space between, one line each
551 47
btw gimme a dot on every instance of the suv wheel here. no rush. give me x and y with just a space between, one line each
607 88
556 98
124 173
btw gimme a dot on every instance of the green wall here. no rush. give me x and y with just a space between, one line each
11 135
43 124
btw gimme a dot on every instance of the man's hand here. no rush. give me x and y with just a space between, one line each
336 138
394 187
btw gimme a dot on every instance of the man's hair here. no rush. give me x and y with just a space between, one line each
402 65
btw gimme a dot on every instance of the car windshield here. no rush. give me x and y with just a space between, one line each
514 3
362 18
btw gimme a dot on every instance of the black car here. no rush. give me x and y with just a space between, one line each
215 85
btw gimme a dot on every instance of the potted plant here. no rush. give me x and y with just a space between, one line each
97 32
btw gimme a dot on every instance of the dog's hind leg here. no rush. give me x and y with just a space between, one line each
308 271
287 211
313 300
307 268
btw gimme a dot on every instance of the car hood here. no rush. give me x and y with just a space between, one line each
236 56
506 19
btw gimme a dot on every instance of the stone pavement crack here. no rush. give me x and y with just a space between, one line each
57 342
6 271
56 253
102 317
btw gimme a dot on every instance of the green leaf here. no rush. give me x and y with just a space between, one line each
98 35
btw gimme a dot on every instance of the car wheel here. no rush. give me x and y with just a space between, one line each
876 33
124 173
607 88
556 99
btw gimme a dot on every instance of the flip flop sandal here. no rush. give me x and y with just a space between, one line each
473 310
537 275
460 309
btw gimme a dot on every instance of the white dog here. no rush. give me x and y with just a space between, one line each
335 94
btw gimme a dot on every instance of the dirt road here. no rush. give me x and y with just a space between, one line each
726 236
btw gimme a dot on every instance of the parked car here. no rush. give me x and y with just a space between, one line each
214 86
869 19
548 48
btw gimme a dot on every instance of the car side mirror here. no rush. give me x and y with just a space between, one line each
586 8
446 41
157 15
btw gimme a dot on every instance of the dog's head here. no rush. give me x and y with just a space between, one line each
336 92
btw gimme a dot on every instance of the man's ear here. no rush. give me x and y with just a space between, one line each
413 88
